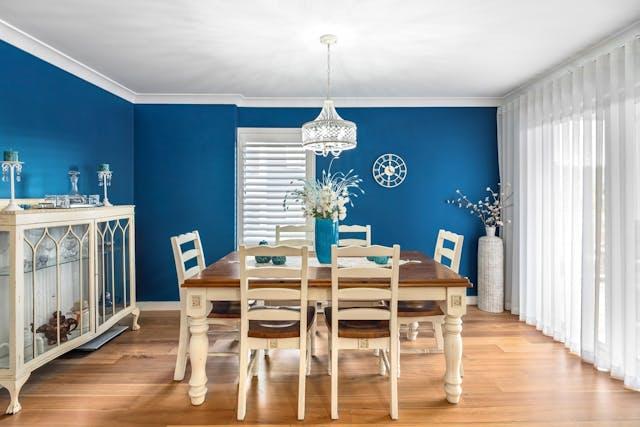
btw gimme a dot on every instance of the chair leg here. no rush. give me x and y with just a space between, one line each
329 354
183 347
254 366
398 354
393 378
461 369
382 370
242 382
334 384
412 331
312 338
302 378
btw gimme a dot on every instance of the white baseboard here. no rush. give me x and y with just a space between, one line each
158 305
175 305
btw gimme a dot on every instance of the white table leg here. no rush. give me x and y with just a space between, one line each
453 357
198 349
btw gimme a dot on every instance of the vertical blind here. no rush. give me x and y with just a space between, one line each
570 151
270 163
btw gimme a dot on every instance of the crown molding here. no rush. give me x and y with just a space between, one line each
18 38
590 53
315 102
30 44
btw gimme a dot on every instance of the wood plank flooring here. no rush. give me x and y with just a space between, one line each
513 376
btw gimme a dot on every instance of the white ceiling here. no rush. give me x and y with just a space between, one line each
409 48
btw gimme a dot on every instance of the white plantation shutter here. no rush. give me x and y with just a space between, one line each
270 163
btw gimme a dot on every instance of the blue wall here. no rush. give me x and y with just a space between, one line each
182 160
444 148
185 177
57 121
185 180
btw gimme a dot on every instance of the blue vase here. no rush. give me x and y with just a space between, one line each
326 235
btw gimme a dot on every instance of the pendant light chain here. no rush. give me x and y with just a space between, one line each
328 70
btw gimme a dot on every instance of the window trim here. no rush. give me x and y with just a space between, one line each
267 135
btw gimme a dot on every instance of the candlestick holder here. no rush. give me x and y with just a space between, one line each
12 171
104 180
74 175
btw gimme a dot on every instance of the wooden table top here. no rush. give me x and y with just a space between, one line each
226 273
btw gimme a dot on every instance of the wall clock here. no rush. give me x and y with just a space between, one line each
389 170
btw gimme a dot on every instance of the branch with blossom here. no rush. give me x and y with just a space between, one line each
327 197
490 210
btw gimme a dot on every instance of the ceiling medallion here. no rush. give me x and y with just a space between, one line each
329 133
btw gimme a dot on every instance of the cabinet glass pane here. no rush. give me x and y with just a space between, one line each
56 287
112 268
5 302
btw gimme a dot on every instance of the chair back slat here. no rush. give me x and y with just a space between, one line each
366 229
297 229
273 314
453 255
363 313
370 272
273 294
362 251
371 294
253 285
266 250
181 257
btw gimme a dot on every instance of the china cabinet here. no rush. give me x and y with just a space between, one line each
66 276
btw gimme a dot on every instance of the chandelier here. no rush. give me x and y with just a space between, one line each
329 133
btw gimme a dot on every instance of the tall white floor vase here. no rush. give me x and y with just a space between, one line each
491 272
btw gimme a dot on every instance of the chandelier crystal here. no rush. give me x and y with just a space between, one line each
329 133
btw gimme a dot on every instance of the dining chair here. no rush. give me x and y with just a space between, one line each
289 229
366 229
263 328
222 312
412 313
364 328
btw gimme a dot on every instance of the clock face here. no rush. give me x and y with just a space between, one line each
389 170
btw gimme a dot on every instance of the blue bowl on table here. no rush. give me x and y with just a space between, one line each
278 260
381 260
263 259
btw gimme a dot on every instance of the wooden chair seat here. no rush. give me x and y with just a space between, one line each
225 310
419 309
278 329
359 328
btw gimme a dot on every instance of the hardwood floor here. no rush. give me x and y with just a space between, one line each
513 376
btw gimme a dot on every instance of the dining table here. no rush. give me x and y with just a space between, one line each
421 278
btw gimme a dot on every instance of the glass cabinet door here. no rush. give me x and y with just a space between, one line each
56 287
5 300
113 269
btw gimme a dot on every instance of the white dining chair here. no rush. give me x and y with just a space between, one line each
364 328
223 313
287 230
270 328
349 229
412 313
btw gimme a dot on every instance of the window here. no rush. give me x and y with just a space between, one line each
269 163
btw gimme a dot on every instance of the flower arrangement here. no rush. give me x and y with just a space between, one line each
488 210
327 197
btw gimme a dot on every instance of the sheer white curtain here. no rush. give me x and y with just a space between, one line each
569 151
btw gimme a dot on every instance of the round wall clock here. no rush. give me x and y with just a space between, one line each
389 170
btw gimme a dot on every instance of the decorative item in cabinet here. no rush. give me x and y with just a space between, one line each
53 263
